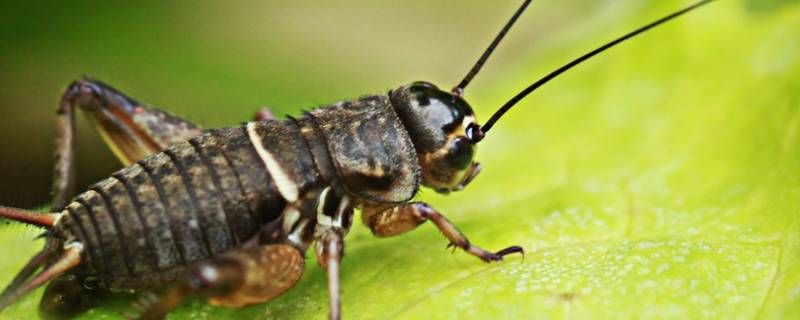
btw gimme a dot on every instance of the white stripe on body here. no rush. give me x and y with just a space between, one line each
286 186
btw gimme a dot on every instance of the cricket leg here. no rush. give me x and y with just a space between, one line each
329 251
242 277
68 296
30 268
333 223
45 257
260 269
392 221
70 257
132 130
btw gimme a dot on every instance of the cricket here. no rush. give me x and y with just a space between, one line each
227 215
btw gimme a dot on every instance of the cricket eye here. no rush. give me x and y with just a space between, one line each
461 152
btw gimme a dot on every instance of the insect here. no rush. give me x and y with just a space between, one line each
228 214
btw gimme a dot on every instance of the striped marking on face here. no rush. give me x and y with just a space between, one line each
286 186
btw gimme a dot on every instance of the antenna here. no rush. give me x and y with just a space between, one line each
477 133
459 89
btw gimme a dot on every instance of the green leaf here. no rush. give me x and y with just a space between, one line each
660 180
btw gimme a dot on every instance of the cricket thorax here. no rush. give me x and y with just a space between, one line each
437 122
370 149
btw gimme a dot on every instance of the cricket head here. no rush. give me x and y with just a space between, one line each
440 125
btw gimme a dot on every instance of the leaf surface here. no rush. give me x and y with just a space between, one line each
661 180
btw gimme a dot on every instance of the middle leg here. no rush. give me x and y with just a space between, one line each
334 218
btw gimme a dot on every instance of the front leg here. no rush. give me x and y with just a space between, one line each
392 221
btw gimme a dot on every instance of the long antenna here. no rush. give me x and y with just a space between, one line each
478 134
459 89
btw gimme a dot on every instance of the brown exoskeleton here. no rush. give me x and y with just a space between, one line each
228 214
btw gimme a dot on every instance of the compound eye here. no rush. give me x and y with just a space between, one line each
461 153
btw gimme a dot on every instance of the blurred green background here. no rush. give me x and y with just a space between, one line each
660 180
215 63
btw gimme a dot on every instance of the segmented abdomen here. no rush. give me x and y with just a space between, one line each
194 200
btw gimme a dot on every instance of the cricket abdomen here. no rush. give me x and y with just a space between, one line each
194 200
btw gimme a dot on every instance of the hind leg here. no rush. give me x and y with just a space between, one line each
236 279
29 269
70 256
259 270
66 297
132 130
